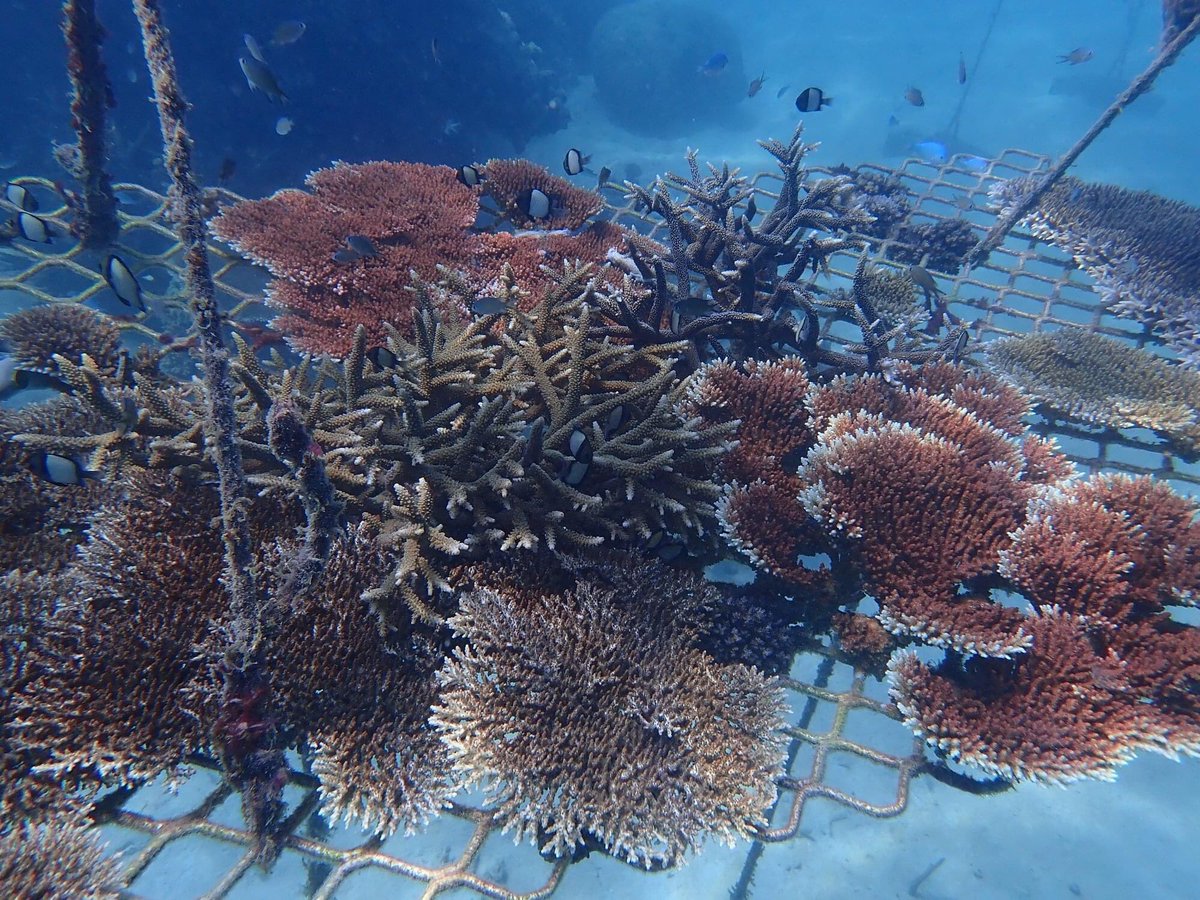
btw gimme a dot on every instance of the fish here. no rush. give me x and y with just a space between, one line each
574 161
433 51
893 121
751 210
283 125
714 65
534 203
345 255
468 175
1077 56
252 45
914 96
20 197
959 346
488 306
12 378
756 85
602 178
123 282
617 417
783 90
228 167
922 279
60 470
260 78
962 69
812 99
666 550
974 163
533 433
580 446
287 33
33 228
382 358
361 245
932 151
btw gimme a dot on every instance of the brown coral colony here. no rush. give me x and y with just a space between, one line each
481 499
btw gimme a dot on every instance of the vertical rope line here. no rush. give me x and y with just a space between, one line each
222 425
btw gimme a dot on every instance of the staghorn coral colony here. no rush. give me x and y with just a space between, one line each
481 485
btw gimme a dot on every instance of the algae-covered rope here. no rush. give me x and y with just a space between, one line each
186 208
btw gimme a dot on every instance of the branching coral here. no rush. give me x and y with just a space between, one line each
141 606
608 727
1108 671
360 700
416 220
126 677
723 275
41 523
930 495
56 859
1086 376
1138 246
463 439
923 517
508 182
416 216
758 512
36 334
28 625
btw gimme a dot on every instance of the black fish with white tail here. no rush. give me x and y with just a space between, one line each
61 470
20 197
535 203
123 282
812 99
33 228
468 175
574 162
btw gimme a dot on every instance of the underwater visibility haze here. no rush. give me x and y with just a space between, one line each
616 449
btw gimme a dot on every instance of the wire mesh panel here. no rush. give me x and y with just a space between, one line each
837 713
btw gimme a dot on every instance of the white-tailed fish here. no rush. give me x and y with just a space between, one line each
812 99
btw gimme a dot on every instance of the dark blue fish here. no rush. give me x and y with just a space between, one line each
382 358
488 306
361 245
714 65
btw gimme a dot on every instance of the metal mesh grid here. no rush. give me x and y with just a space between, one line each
1025 286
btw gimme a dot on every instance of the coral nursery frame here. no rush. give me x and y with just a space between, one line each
1025 286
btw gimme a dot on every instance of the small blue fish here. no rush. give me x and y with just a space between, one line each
932 151
974 163
715 64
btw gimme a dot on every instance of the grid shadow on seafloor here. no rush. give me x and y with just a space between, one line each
837 713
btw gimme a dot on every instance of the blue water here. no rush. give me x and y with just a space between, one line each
363 83
468 80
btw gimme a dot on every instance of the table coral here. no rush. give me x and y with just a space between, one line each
1139 247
